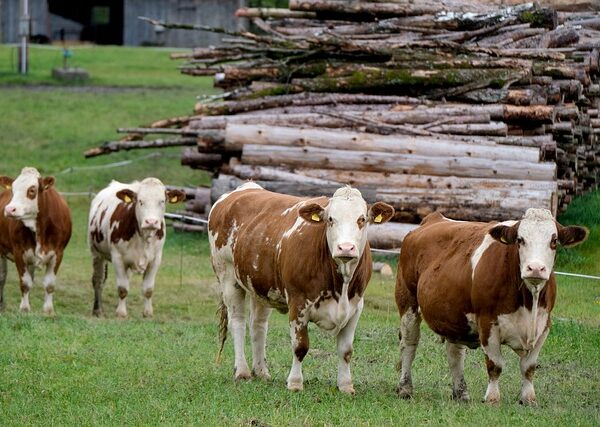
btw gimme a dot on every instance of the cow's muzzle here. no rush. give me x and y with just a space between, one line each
151 224
346 252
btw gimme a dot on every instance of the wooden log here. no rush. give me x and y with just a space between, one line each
337 8
192 158
272 12
188 228
237 136
389 235
114 146
382 268
225 183
320 158
302 99
394 180
493 129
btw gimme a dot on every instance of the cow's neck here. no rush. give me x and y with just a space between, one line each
529 297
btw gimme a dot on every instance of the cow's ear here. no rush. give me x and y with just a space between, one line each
126 195
505 234
380 212
175 196
6 182
46 183
572 235
312 213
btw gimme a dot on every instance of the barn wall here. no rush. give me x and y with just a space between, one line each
215 13
10 13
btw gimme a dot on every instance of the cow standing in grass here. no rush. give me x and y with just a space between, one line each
482 284
35 228
307 257
127 227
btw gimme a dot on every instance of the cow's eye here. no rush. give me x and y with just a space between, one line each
31 192
520 241
330 219
141 203
553 243
361 221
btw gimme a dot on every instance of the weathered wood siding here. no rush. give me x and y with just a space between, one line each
216 13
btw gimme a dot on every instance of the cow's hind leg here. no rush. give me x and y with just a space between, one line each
259 322
234 298
528 366
300 343
2 281
456 361
98 280
345 340
410 333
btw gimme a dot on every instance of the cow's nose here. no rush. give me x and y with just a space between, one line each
10 210
536 270
346 251
150 222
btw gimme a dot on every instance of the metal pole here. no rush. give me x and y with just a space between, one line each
24 33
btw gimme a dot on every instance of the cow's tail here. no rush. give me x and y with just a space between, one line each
222 314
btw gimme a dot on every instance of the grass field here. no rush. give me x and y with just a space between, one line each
77 370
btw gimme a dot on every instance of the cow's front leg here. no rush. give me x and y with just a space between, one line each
122 278
528 365
259 323
456 361
345 338
48 282
299 336
148 285
2 281
494 363
25 272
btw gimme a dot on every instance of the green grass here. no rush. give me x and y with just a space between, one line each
77 370
107 65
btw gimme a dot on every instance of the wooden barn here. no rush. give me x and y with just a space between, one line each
115 21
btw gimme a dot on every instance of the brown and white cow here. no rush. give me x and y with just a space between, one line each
35 228
127 227
482 284
307 257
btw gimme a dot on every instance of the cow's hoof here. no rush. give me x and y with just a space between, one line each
528 401
492 401
97 312
148 313
262 375
295 386
404 391
242 376
121 314
49 311
461 397
348 389
24 309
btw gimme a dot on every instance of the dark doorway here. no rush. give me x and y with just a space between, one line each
102 20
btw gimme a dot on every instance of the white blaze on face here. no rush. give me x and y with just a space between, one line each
346 217
24 202
536 239
150 204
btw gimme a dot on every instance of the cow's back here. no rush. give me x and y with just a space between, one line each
435 265
261 233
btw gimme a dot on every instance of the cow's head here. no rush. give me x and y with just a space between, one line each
536 235
26 189
149 201
346 217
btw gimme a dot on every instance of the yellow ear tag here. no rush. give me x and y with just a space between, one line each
378 218
8 187
315 217
127 199
173 199
503 240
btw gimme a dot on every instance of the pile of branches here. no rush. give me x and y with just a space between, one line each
464 107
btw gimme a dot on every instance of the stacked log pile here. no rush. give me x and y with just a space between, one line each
470 108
